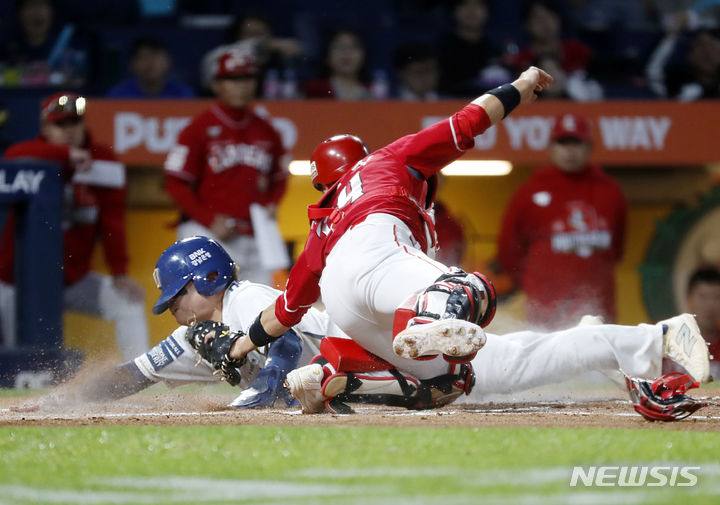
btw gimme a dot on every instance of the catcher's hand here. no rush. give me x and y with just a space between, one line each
663 399
212 341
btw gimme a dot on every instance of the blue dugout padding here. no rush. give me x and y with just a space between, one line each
33 192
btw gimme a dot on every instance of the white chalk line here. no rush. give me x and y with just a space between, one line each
328 483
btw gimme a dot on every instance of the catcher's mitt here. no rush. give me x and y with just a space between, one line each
216 348
663 399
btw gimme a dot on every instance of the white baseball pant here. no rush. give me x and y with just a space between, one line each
376 265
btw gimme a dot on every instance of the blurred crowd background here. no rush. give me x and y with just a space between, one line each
596 48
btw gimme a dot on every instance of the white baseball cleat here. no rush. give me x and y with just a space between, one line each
456 338
305 385
683 343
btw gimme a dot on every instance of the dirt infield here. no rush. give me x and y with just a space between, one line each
184 409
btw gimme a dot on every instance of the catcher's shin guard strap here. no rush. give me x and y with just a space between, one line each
393 388
491 295
445 389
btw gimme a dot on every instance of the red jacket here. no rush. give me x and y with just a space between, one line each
89 212
226 159
560 239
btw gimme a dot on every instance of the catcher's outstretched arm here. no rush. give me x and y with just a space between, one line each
118 382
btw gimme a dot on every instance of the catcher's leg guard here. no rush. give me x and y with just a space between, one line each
393 388
328 385
447 318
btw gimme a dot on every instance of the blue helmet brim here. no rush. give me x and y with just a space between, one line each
167 294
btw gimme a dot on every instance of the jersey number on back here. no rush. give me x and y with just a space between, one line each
351 192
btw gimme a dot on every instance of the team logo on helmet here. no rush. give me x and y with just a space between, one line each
313 170
156 278
198 256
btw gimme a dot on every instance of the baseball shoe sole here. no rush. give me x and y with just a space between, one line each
683 343
455 338
305 385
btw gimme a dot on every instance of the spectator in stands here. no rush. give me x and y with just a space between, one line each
677 15
609 15
469 64
544 28
575 86
703 300
279 59
416 67
343 75
227 159
41 53
150 66
94 209
694 77
563 233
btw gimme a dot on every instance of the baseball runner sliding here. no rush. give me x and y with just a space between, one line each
415 324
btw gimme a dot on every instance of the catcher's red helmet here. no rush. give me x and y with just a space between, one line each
335 156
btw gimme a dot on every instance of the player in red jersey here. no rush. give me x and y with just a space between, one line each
366 255
94 208
225 160
563 233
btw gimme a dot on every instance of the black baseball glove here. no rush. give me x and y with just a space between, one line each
216 348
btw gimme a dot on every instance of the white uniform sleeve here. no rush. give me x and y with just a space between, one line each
173 361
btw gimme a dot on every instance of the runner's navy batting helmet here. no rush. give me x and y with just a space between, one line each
335 156
198 259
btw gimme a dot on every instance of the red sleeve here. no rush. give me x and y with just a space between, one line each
40 149
301 291
101 152
182 192
279 173
433 148
183 166
511 242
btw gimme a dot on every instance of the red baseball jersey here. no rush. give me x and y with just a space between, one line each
226 159
560 239
90 211
399 179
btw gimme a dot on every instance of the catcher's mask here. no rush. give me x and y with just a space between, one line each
198 259
335 156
